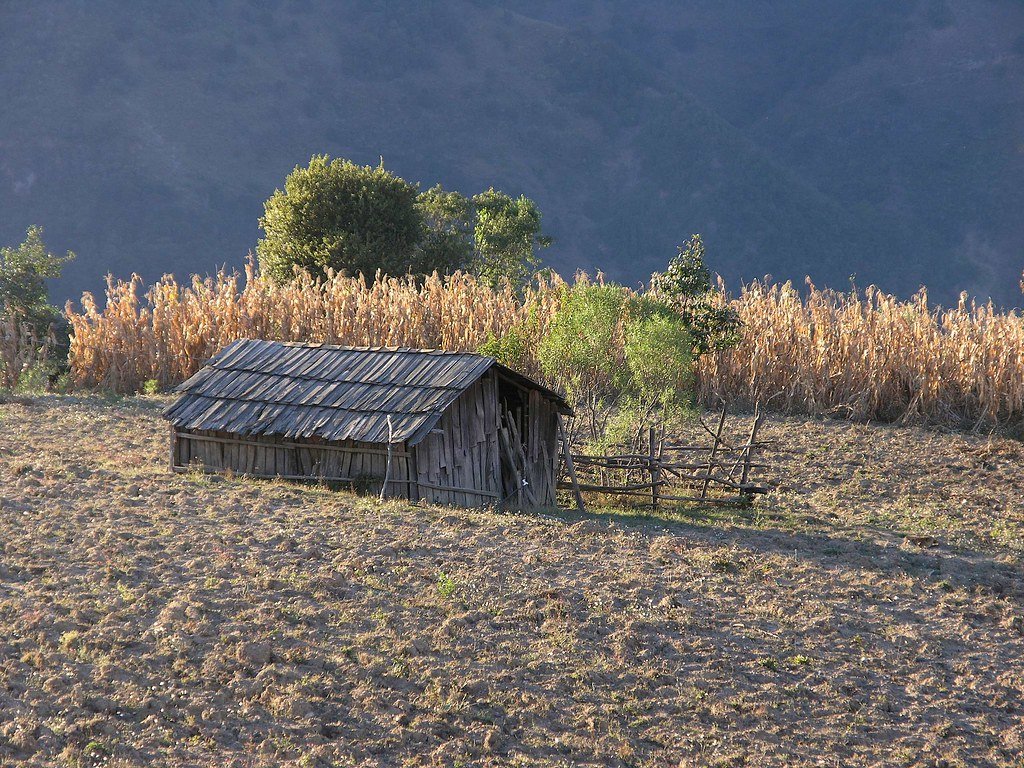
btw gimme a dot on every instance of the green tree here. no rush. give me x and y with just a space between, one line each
447 243
339 215
657 344
23 274
506 237
351 218
685 285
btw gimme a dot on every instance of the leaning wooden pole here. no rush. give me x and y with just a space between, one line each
569 465
749 448
654 465
714 452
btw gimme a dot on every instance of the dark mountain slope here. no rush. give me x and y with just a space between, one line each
147 139
911 112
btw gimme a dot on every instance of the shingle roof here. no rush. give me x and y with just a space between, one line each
294 390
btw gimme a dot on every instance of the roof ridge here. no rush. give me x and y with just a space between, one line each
361 348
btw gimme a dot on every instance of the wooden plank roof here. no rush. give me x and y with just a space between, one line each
258 387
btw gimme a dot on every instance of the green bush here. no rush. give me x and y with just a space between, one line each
624 360
510 349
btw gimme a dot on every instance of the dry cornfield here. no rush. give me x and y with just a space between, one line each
168 333
872 356
863 355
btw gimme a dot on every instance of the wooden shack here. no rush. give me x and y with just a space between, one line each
445 427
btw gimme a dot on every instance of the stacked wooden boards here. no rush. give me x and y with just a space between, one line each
308 411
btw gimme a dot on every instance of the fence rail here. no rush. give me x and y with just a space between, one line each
669 472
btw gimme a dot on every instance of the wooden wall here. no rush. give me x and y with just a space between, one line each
542 450
458 461
361 465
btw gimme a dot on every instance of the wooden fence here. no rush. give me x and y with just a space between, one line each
716 473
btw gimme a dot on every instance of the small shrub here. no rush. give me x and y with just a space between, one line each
446 585
34 379
511 348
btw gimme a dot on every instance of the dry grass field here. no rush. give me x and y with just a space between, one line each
870 612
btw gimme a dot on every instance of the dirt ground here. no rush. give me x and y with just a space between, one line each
866 613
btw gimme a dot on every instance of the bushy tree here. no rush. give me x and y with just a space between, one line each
37 349
23 274
492 234
657 344
339 215
623 359
506 236
577 350
447 243
685 285
352 218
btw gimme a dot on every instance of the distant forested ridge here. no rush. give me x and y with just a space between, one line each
876 139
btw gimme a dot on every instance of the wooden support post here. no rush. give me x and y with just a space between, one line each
174 447
387 465
748 449
655 467
567 452
714 452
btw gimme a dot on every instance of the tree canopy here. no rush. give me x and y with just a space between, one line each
23 274
335 214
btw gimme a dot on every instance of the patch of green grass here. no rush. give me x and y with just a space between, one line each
446 585
1008 533
95 753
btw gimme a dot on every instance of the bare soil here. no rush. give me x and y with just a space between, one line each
866 613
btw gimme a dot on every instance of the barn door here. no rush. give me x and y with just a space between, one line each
515 474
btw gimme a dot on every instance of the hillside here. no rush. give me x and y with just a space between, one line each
864 611
826 139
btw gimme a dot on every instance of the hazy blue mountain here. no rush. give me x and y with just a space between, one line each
802 137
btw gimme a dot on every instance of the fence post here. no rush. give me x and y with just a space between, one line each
655 466
567 450
714 452
749 447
